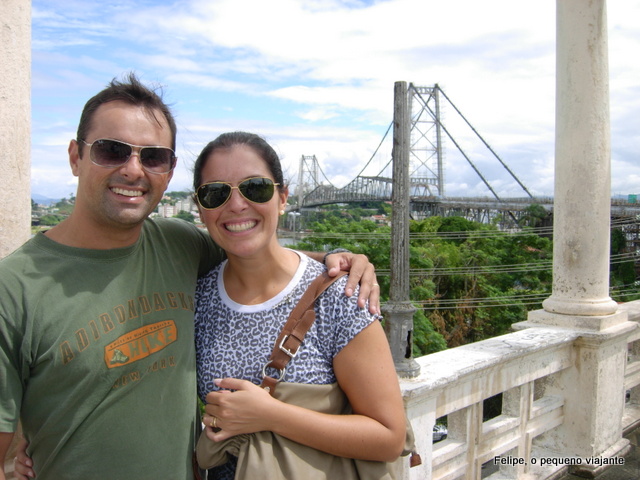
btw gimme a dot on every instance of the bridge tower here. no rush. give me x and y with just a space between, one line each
308 176
426 149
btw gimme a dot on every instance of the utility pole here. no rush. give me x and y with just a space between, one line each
399 310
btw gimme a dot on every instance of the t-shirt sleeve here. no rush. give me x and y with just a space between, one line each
347 319
196 240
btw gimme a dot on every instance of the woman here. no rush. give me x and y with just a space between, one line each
242 305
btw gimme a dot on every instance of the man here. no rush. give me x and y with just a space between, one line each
96 318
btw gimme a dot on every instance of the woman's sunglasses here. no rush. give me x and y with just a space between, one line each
114 153
216 194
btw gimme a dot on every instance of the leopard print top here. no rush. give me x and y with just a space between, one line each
234 340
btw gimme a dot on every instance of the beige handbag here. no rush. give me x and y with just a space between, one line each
272 456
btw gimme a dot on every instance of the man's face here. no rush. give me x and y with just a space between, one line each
121 197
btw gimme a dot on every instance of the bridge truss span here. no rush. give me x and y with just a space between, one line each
360 189
426 157
426 171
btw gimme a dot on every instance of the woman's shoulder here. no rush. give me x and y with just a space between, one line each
313 269
207 281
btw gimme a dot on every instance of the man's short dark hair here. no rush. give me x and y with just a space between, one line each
130 91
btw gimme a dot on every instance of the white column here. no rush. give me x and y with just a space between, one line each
582 194
593 389
582 197
15 123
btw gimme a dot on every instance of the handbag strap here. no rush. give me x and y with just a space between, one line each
299 322
288 342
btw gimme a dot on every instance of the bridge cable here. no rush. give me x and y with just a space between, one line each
376 151
425 105
483 141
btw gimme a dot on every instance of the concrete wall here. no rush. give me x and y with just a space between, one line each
15 123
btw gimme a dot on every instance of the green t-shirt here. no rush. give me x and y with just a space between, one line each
97 354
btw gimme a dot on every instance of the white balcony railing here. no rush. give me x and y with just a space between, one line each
456 382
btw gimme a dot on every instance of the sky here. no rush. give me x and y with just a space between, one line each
316 77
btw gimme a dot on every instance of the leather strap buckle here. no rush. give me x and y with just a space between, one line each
291 352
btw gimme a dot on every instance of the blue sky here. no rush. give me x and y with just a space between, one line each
316 77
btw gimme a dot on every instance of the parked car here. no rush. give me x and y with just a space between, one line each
439 433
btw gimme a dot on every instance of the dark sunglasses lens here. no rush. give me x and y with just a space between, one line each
110 153
157 159
258 190
212 195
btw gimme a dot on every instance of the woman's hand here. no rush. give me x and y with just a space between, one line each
240 408
22 464
365 371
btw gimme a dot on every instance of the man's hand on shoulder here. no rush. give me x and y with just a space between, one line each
360 271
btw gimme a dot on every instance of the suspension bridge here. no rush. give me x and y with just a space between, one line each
427 172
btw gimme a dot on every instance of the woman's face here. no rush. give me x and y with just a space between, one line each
241 227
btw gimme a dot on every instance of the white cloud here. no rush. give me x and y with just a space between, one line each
317 76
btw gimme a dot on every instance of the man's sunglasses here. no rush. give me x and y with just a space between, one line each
216 194
114 153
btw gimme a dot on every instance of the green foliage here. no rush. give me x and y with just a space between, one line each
622 272
188 216
425 339
535 216
489 273
618 241
51 219
49 216
64 207
468 279
457 224
176 195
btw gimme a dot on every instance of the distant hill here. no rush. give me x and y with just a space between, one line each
42 200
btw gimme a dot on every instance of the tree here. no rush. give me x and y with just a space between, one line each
535 216
470 281
622 268
477 294
175 196
188 216
51 220
337 230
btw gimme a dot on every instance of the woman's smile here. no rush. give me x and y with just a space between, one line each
240 226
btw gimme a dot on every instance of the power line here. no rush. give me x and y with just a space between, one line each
525 299
458 235
543 265
508 300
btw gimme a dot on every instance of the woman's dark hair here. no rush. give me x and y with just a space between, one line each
230 139
130 91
